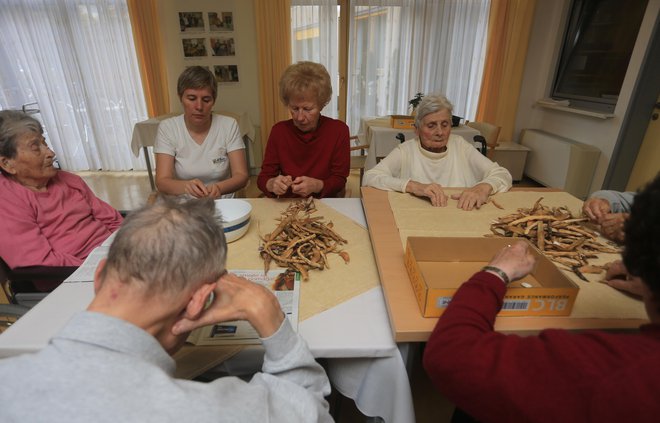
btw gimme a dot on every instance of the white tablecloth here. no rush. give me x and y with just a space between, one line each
363 360
382 138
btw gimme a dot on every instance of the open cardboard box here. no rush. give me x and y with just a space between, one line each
438 266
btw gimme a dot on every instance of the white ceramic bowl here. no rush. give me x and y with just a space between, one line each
235 217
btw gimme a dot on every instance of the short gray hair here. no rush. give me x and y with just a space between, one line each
430 104
169 247
13 124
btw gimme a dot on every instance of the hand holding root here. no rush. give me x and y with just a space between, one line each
595 208
612 226
196 188
304 186
279 184
515 260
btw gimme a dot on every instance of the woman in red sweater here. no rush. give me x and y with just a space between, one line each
308 154
557 376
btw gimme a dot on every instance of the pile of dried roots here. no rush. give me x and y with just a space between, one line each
301 242
557 234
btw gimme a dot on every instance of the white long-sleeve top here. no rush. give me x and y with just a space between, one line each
461 165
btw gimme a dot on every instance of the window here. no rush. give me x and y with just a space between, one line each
596 50
397 48
75 59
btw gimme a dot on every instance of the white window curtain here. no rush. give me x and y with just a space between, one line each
400 47
315 37
76 60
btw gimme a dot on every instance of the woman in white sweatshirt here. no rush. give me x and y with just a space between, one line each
435 159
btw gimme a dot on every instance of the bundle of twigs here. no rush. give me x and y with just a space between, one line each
301 242
557 234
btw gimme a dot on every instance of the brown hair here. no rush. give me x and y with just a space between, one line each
197 77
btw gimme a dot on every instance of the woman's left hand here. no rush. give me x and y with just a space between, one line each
474 197
304 186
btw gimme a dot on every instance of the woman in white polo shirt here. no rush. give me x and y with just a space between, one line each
199 153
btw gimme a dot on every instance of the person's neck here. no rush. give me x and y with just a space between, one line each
122 301
198 129
36 185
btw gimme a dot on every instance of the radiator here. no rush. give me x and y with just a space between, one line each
559 162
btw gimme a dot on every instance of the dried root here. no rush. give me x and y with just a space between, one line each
301 242
556 233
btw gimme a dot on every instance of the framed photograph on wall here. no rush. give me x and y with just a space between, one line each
191 21
222 22
193 47
223 46
226 74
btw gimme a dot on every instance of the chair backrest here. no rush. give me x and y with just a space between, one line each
489 131
358 161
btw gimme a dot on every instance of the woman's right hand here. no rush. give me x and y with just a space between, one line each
196 188
515 260
279 184
433 192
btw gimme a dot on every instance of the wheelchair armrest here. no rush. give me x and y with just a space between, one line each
42 272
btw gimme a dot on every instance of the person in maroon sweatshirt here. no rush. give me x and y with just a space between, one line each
309 154
556 376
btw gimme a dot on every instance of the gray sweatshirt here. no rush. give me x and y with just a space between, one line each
103 369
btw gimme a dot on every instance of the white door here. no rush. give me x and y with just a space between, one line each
647 164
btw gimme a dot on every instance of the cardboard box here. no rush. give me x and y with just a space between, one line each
438 266
402 122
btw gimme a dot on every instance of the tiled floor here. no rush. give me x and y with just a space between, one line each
129 190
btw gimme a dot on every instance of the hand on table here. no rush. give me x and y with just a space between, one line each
279 184
474 197
304 186
516 260
433 192
237 298
617 277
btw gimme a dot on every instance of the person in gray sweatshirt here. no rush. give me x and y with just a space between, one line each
164 276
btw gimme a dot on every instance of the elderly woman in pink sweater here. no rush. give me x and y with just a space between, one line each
48 217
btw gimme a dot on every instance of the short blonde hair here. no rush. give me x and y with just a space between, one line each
303 78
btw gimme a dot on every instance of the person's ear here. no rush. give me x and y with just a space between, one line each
198 300
6 165
97 275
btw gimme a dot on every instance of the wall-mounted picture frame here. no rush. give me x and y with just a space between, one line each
193 47
191 22
223 46
226 74
221 22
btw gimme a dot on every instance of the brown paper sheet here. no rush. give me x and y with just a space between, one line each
416 217
324 289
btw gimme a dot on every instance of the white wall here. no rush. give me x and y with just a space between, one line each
238 98
540 64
